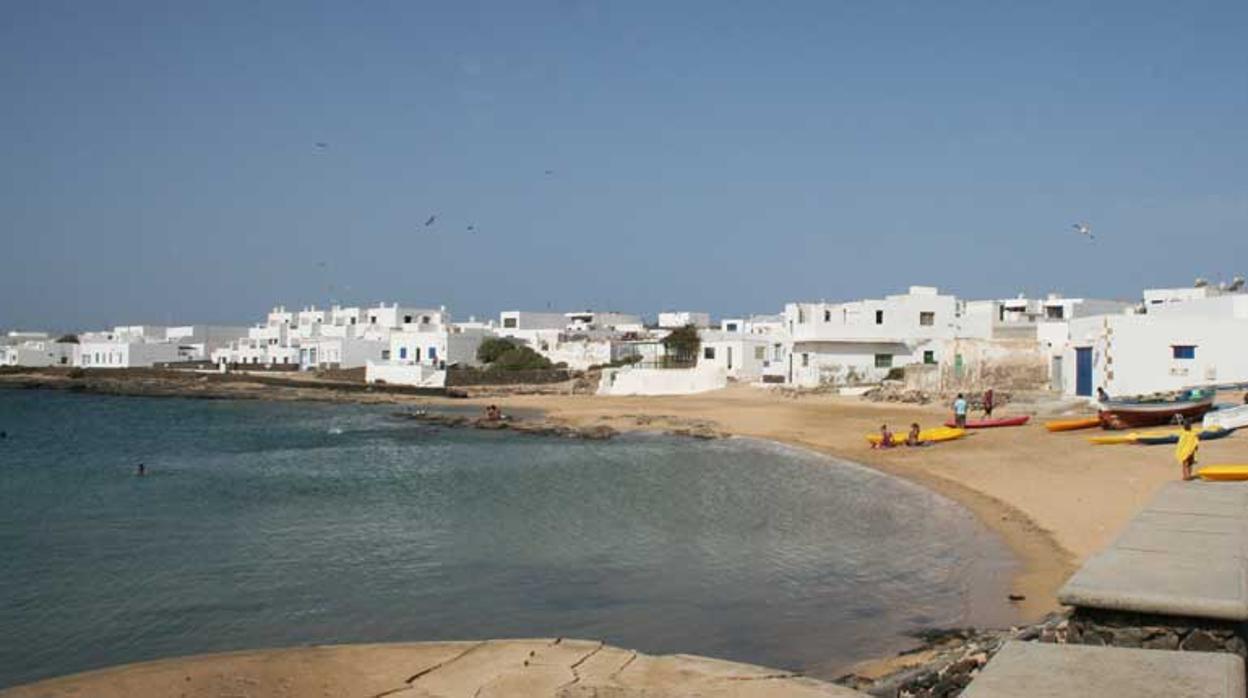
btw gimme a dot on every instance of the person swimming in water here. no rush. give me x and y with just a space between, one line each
142 470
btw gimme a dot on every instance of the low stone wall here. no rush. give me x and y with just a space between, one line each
1092 626
467 377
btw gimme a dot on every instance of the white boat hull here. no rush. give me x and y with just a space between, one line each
1230 418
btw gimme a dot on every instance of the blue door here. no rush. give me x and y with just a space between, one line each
1083 371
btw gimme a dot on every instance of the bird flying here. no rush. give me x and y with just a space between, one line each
1084 229
432 218
322 145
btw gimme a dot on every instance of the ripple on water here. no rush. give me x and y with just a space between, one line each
268 524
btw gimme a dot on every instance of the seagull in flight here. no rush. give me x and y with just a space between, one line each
322 145
1084 229
472 228
432 218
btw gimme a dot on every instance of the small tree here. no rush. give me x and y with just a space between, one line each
492 348
520 358
682 345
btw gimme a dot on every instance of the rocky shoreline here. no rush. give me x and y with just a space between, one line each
947 660
546 427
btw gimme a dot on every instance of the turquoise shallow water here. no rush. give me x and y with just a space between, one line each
271 524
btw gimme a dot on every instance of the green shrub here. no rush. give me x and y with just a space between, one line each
492 348
520 359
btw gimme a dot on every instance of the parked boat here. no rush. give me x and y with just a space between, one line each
989 423
1204 435
1227 418
933 435
1223 473
1127 414
1073 424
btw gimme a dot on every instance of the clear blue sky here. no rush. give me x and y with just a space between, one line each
158 160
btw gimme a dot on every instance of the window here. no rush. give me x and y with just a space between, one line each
352 321
1054 312
1184 351
708 353
760 353
509 322
424 319
927 318
433 353
929 357
805 360
883 360
879 317
372 319
385 354
730 327
827 316
402 352
407 319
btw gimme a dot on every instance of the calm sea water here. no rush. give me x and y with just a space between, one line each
268 524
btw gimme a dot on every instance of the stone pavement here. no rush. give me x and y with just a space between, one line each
1042 670
492 669
1184 555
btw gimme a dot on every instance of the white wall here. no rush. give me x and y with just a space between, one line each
673 320
1133 354
846 363
660 381
741 357
405 374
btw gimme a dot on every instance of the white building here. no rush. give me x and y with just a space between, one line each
421 355
38 352
1177 344
590 320
742 357
862 341
141 346
671 320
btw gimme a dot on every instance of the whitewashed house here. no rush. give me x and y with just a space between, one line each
670 320
36 352
742 357
141 346
862 341
1192 341
419 351
592 320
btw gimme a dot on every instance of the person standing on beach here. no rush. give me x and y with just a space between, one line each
959 411
1185 451
988 403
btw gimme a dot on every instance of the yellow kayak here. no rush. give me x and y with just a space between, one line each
1073 424
933 435
1223 473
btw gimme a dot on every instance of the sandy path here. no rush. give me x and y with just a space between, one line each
1054 498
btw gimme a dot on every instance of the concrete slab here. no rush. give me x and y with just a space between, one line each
1153 582
1038 670
1163 539
541 668
1202 498
1193 522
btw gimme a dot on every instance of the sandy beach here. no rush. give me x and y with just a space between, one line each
1053 497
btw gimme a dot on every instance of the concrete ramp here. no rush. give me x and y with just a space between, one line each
1039 670
1185 555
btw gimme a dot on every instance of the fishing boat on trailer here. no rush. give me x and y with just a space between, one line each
1129 414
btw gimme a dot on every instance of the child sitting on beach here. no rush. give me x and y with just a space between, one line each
912 439
886 438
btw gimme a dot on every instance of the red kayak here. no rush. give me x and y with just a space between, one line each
987 423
